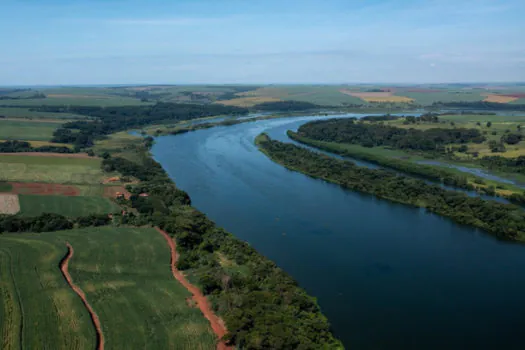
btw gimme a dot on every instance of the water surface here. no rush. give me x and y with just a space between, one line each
387 276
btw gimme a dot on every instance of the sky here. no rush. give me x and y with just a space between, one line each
72 42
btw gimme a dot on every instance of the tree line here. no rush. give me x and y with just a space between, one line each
112 119
12 146
349 130
47 222
502 220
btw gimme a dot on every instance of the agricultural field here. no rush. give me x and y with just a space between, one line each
41 168
428 98
71 206
125 275
248 101
321 95
26 113
27 130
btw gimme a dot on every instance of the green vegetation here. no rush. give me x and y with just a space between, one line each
261 305
5 186
126 277
26 130
34 205
502 220
28 113
110 120
50 169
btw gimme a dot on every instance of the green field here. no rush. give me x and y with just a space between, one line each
26 130
34 205
427 98
50 169
11 112
127 280
321 95
78 101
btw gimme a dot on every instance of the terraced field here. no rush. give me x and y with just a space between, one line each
125 274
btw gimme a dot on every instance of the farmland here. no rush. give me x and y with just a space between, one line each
72 206
27 130
125 275
64 170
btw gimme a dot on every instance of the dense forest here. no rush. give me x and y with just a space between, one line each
372 134
502 220
262 306
112 119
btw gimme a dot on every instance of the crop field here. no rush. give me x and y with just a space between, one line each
63 170
126 277
247 101
72 206
500 98
12 112
426 98
321 95
27 130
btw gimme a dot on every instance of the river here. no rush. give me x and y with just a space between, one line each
387 276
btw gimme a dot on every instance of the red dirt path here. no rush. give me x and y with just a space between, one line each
216 323
96 322
44 189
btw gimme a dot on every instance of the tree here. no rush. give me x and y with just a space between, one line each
489 124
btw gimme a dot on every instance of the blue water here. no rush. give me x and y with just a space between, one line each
388 276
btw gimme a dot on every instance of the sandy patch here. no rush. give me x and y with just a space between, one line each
9 203
500 98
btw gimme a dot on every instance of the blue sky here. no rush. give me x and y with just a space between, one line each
240 41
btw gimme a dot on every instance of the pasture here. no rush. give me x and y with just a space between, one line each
26 113
42 168
247 101
26 130
322 95
72 206
125 274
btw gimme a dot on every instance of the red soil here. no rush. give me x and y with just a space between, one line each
216 323
111 191
96 322
48 154
44 189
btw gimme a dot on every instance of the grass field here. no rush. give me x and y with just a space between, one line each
126 277
50 169
34 205
10 112
26 130
248 101
321 95
427 98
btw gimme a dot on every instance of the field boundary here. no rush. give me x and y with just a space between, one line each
64 267
215 322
